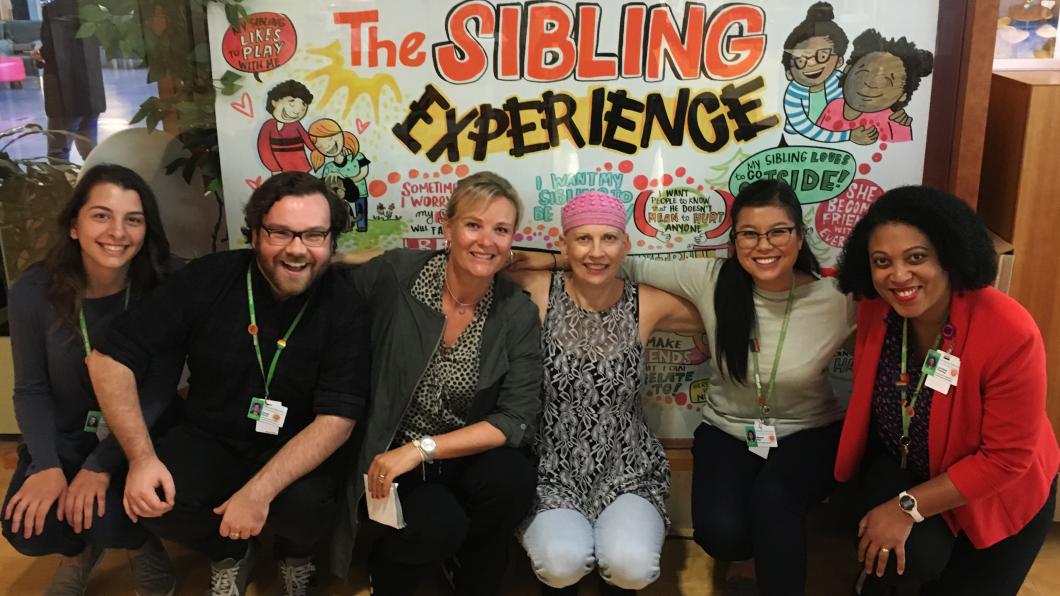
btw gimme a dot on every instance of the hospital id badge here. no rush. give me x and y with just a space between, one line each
766 433
945 372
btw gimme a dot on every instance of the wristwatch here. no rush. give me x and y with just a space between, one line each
908 504
426 446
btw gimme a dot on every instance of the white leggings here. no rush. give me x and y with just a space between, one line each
626 542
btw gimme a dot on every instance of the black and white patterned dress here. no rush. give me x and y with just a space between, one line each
594 444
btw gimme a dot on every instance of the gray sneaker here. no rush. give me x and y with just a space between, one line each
230 577
299 577
153 572
71 578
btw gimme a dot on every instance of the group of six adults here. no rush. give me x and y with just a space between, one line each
502 400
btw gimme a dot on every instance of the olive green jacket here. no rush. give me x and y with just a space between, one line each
405 334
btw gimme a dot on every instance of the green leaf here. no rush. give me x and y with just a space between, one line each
87 30
91 12
235 14
230 76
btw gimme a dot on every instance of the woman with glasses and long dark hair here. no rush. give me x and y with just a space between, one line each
764 452
65 495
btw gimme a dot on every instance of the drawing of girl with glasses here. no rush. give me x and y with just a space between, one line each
813 54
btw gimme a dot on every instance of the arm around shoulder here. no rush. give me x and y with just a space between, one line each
519 402
662 311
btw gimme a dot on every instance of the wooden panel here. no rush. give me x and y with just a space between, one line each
1021 169
1034 278
8 426
960 88
1002 158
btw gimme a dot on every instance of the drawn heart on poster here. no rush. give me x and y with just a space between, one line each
244 106
253 183
362 126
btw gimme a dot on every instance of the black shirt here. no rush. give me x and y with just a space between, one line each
202 311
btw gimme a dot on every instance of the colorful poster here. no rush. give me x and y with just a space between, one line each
671 107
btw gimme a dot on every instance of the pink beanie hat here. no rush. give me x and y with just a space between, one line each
594 208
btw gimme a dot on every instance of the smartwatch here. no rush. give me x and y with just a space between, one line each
426 447
908 504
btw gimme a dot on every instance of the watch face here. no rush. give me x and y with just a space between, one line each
427 444
907 502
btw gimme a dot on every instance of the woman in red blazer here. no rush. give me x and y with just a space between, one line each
958 460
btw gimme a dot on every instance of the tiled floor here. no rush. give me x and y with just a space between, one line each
125 89
686 570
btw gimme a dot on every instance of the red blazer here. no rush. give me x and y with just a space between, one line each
990 432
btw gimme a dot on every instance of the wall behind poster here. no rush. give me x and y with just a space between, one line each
671 107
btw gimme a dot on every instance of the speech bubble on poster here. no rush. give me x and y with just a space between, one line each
835 219
682 211
817 174
264 41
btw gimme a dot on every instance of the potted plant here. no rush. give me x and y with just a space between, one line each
32 192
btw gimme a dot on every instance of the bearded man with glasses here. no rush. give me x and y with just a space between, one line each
278 354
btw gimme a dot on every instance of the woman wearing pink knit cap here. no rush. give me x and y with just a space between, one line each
603 477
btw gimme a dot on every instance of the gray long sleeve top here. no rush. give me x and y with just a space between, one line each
53 393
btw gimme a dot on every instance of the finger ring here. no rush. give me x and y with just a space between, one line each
885 550
381 476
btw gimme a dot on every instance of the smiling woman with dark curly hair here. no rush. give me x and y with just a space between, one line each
958 460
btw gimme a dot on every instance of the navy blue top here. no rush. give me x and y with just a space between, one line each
887 401
53 393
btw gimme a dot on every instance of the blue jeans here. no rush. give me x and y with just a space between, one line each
625 542
86 126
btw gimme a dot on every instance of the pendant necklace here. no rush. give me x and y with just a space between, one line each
460 306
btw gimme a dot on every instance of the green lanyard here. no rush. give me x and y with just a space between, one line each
764 396
280 343
84 325
909 404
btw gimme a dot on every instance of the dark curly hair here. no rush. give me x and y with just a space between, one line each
66 270
734 293
294 184
918 63
964 248
288 88
819 22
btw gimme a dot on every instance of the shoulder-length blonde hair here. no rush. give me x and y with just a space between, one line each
326 127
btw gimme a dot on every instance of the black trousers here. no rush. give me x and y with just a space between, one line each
744 506
466 508
206 472
944 564
113 530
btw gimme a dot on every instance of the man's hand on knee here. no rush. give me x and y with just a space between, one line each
244 514
146 476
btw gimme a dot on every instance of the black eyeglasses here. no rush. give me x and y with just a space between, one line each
820 57
281 237
778 237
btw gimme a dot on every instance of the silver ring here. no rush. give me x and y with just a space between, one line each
381 476
885 550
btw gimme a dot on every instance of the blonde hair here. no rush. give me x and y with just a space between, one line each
478 189
326 127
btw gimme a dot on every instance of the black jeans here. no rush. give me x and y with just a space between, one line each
113 530
206 472
744 506
468 508
944 564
